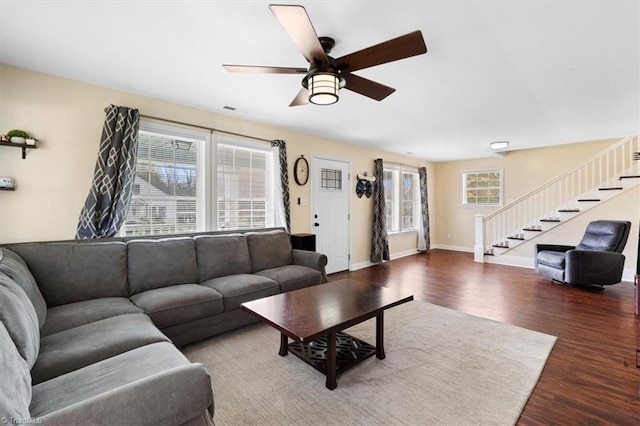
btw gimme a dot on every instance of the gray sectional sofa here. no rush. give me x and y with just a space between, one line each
89 329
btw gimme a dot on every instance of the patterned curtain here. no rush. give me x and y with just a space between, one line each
106 206
379 242
281 146
424 242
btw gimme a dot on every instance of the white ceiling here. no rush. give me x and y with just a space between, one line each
532 72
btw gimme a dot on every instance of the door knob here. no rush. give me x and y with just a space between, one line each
316 224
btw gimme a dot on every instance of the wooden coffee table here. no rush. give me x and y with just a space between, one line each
315 317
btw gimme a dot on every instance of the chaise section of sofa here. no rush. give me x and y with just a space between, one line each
74 372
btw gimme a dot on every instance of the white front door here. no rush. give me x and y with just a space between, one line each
330 212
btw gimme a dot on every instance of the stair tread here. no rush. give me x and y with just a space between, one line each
550 220
516 238
532 229
590 199
500 245
613 188
629 177
569 210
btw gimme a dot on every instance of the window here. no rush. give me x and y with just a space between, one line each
244 187
482 187
187 181
331 179
167 193
402 197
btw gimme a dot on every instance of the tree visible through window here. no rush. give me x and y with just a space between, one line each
482 187
165 188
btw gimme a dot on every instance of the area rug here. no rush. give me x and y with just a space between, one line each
442 367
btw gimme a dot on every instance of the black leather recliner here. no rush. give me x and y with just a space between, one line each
597 260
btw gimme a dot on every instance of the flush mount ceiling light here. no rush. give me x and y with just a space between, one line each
499 145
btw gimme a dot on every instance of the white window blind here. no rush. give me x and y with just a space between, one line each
244 187
167 198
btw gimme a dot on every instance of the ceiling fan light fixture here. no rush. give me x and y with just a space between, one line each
323 88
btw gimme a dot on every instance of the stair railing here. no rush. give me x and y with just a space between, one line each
561 193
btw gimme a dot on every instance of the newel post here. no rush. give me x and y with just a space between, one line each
478 248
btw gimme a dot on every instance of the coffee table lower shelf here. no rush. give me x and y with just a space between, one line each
349 352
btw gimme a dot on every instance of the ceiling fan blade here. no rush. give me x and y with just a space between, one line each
405 46
367 87
302 98
296 23
261 69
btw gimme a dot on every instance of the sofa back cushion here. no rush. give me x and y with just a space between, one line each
161 263
20 319
269 250
605 235
70 272
222 255
15 392
15 268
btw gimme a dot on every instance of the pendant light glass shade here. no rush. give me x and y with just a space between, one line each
323 89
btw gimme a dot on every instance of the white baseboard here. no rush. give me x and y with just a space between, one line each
361 265
522 262
628 274
394 256
405 253
452 248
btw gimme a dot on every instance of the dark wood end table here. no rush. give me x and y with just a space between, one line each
315 317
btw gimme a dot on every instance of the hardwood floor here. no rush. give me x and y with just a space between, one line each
591 376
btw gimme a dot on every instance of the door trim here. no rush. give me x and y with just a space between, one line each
312 188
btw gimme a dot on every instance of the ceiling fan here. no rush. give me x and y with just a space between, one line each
326 75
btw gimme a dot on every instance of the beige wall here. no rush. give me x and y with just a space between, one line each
524 171
67 116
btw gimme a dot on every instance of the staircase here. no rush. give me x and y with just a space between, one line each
600 178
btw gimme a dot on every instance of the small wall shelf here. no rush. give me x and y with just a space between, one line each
24 147
7 189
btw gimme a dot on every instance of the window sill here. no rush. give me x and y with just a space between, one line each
404 232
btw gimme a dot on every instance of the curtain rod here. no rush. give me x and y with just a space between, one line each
204 128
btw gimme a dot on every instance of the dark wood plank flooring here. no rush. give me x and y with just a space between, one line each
591 376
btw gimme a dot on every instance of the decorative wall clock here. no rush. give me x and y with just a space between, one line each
301 170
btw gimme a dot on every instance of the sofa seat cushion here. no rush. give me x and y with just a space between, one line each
20 319
241 288
555 259
64 317
166 387
15 391
15 268
178 304
78 347
293 277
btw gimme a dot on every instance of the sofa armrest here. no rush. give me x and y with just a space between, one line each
314 260
585 267
173 396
